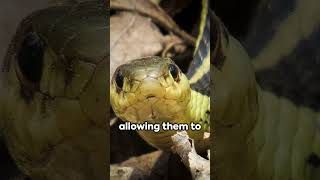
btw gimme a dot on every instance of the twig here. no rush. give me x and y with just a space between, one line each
184 147
113 121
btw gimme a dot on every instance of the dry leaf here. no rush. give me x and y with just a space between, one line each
154 11
132 36
147 163
153 165
125 173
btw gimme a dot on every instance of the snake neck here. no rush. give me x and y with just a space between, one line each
235 106
198 110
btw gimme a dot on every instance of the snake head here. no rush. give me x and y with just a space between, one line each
54 83
149 89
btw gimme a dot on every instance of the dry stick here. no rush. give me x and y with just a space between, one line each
156 14
113 121
199 167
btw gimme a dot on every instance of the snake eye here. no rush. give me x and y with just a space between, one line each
30 57
174 71
119 79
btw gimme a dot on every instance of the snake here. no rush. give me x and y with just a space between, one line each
54 93
256 133
259 134
54 105
155 90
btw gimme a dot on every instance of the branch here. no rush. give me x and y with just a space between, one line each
184 147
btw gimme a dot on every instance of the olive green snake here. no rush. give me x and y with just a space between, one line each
155 90
53 113
256 134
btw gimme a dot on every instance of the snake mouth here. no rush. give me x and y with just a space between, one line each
150 96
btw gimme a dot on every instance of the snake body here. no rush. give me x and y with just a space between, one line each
53 101
258 135
53 114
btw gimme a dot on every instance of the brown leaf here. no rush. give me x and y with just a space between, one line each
154 11
132 36
152 165
125 173
154 161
